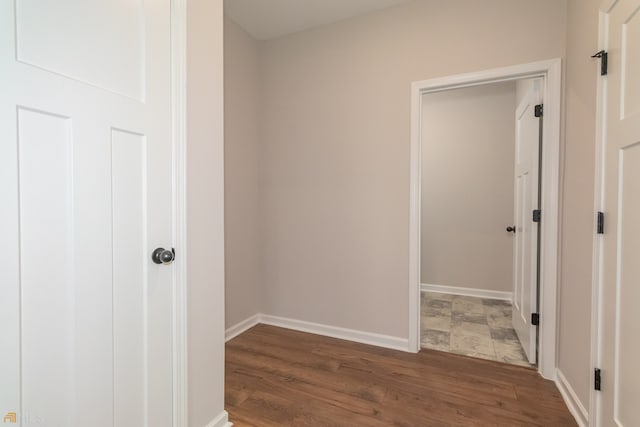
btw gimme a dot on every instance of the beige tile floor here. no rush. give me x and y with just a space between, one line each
476 327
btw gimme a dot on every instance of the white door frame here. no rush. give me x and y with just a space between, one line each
597 281
550 71
179 143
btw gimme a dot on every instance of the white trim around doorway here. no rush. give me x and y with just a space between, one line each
597 283
550 71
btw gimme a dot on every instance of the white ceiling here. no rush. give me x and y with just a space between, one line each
267 19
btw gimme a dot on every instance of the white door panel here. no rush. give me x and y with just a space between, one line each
525 292
86 195
102 44
620 290
47 297
129 278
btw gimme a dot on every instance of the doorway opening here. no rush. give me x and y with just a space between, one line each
479 184
455 241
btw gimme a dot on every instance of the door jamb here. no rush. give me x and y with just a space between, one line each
598 244
550 70
179 144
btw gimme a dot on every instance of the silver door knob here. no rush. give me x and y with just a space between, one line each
163 256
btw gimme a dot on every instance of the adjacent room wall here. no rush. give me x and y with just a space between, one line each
467 187
205 214
578 210
336 158
242 156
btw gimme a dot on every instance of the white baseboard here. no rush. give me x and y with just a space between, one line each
222 420
470 292
240 327
371 338
571 399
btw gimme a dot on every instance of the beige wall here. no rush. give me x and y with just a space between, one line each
467 187
243 242
335 136
205 224
578 204
336 157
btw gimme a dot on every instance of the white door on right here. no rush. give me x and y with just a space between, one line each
620 291
527 160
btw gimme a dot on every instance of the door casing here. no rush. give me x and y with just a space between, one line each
550 72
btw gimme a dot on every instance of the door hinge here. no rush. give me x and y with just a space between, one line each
600 223
535 319
597 379
536 215
538 110
604 61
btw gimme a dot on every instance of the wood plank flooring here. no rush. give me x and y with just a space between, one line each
280 377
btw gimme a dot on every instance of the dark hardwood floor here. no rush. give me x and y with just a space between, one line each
280 377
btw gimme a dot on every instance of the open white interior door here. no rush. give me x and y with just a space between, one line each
527 160
85 197
620 286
